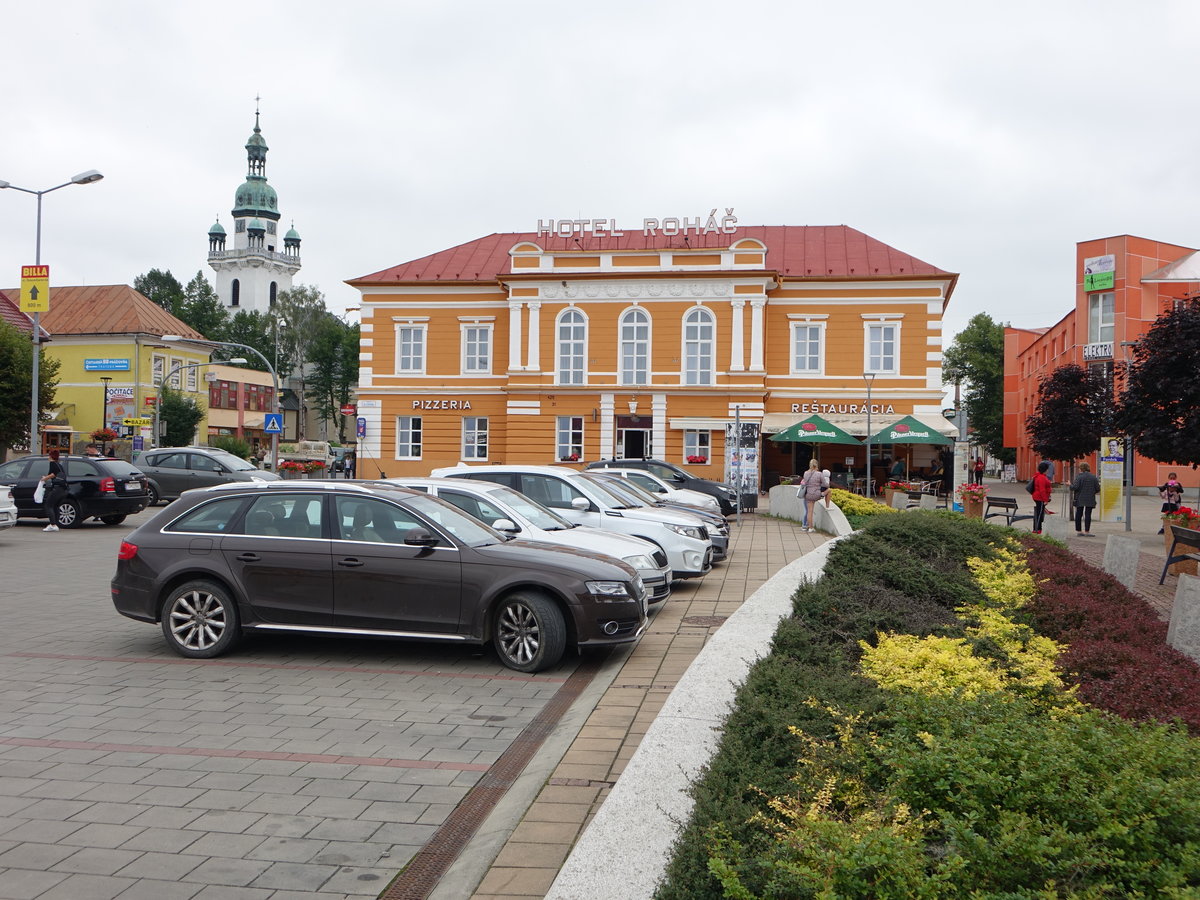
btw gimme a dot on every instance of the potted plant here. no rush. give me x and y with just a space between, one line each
892 487
314 467
972 497
103 435
290 468
1184 517
570 457
697 460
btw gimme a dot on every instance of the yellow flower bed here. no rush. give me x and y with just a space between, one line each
856 504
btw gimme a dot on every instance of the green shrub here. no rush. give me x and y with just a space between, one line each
232 444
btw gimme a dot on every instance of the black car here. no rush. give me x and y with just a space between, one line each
365 559
677 477
100 488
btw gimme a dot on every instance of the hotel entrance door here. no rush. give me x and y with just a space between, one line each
634 443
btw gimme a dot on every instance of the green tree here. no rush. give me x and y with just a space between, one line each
16 374
1074 411
202 309
333 365
163 288
299 313
179 414
1160 404
255 330
976 358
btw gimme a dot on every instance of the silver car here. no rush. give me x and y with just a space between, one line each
8 507
173 470
513 513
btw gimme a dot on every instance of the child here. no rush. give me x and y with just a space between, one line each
1172 495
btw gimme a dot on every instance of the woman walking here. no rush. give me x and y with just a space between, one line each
812 486
1042 489
1084 489
55 490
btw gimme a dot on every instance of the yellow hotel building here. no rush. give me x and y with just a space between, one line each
582 342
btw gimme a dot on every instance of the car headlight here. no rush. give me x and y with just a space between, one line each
729 492
641 562
688 531
609 590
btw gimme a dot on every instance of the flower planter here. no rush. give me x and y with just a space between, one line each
888 493
1188 566
973 507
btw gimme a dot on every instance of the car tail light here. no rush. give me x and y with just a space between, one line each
127 551
107 486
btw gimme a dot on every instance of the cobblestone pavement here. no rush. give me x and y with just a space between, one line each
297 767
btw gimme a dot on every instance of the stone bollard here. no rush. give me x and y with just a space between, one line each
1121 556
1184 631
928 501
900 500
1058 527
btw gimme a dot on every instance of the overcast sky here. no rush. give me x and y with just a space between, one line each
984 139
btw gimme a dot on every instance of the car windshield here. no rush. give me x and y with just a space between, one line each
629 487
622 488
540 516
120 469
470 531
234 462
615 498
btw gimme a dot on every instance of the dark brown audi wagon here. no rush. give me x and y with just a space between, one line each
365 559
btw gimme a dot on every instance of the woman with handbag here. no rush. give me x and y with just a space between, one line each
812 487
55 489
1042 490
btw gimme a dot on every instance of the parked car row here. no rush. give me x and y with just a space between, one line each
529 559
99 488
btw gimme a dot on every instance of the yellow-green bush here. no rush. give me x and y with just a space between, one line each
857 508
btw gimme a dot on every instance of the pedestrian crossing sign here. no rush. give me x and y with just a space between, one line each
273 423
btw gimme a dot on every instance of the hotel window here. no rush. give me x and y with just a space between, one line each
569 443
1101 317
476 349
807 348
475 437
408 437
697 446
883 338
635 347
698 347
572 347
410 348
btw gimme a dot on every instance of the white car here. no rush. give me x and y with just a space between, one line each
513 513
680 535
8 507
648 481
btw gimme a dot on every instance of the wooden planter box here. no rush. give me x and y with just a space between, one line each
1188 566
973 507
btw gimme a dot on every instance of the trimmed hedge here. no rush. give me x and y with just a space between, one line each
982 777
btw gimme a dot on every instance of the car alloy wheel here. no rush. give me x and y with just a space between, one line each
199 620
69 515
153 492
530 632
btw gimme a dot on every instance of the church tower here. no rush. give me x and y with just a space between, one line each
261 263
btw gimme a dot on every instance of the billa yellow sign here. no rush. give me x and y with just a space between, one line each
35 289
136 421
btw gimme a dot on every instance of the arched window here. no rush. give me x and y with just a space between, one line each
236 298
274 291
698 344
572 347
635 346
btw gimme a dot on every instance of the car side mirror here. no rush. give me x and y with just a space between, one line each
583 504
419 537
508 526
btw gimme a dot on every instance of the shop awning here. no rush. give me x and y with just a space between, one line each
855 425
814 430
254 423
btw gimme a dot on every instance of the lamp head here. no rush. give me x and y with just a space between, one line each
170 337
88 177
3 185
236 361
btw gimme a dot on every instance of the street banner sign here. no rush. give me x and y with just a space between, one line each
273 423
361 427
35 289
349 409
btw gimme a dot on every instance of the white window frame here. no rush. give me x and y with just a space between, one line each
474 336
574 375
191 379
697 442
692 350
568 438
1096 322
881 323
158 368
475 428
177 375
630 348
412 427
807 325
420 346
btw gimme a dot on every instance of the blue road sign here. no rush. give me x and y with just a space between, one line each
361 427
273 423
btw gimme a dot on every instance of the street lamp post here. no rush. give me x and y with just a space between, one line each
266 362
158 388
1127 347
869 378
104 409
91 176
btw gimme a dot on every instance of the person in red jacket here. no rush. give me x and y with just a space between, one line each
1042 490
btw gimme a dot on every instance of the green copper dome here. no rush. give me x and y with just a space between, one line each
216 229
256 197
292 235
256 225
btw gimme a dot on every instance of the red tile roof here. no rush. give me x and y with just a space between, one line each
10 312
107 309
796 251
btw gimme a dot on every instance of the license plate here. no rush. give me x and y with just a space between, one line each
133 485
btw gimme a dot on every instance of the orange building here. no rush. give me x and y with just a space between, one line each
581 342
1122 285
